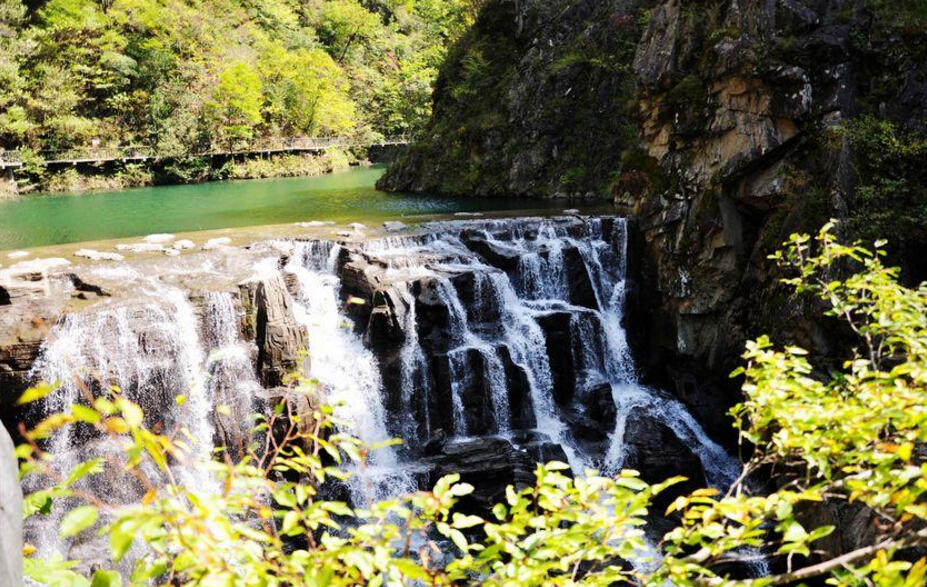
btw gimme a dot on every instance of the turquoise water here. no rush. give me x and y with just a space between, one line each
347 196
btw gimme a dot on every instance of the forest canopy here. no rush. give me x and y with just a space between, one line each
188 75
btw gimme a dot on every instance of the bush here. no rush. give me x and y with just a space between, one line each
849 437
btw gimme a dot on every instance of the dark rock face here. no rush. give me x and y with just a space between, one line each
11 515
552 85
279 338
658 454
490 465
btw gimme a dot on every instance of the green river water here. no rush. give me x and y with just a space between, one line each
347 196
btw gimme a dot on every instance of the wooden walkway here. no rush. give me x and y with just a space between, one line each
134 154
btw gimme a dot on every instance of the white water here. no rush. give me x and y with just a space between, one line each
231 382
347 372
150 350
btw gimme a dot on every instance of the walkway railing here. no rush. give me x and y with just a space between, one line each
14 159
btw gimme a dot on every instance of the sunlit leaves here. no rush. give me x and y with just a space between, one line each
36 393
78 520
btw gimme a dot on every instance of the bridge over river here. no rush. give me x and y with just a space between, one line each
11 160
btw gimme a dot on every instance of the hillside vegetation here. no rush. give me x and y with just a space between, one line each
188 75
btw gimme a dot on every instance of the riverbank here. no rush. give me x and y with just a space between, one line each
117 175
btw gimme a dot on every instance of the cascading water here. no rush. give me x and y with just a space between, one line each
346 371
231 380
506 329
495 283
151 351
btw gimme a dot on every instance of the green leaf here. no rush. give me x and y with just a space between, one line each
106 579
120 540
91 467
84 414
463 522
36 393
78 520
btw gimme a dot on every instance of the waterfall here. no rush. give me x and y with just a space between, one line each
346 371
151 351
500 329
231 380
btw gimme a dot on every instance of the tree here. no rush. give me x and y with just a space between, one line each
237 102
307 93
346 23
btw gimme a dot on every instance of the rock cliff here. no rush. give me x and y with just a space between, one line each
720 127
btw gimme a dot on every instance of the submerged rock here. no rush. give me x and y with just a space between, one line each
394 226
98 255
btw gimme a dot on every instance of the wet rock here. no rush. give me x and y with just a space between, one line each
461 374
83 287
655 451
591 417
541 448
516 381
496 254
11 514
279 337
489 464
433 317
578 279
394 226
98 255
16 360
435 444
558 339
387 320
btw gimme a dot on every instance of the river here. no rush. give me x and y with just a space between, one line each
347 196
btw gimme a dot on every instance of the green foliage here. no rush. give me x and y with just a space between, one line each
186 75
891 195
238 102
853 436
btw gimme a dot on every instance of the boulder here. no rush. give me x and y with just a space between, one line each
654 450
11 515
279 337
